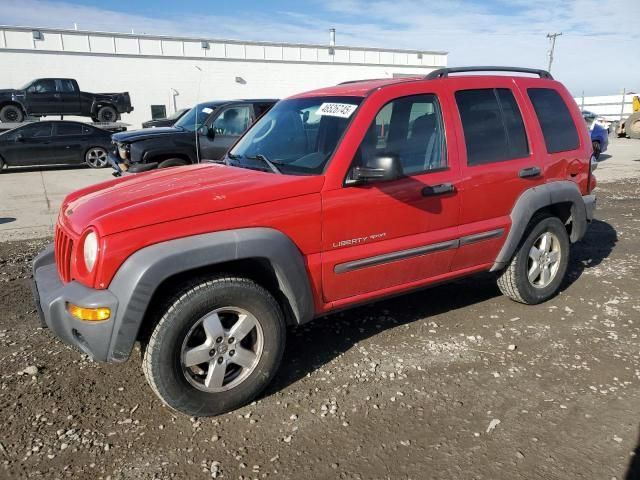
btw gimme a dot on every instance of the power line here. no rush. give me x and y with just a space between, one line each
552 37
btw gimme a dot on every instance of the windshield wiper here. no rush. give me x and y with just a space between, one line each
259 156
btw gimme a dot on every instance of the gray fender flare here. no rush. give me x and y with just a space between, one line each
140 275
533 200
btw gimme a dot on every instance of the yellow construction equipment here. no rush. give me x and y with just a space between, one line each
631 126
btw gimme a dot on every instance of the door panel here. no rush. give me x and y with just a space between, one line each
390 233
34 148
43 97
68 143
68 97
497 163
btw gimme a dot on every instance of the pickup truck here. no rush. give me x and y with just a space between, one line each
60 96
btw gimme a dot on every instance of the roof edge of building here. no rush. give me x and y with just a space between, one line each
214 40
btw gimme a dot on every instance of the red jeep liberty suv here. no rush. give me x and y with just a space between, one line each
335 197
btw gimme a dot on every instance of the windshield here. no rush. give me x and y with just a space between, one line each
297 135
190 122
177 114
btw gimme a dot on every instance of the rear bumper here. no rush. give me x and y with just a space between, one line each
589 205
51 296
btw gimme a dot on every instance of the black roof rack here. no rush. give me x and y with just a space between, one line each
444 72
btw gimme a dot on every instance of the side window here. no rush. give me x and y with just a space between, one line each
492 124
43 86
411 128
64 85
36 130
559 131
233 121
64 129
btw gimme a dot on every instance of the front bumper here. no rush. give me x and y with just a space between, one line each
52 295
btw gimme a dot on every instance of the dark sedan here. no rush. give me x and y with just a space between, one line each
54 143
165 122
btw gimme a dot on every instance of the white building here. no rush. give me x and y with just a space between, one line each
178 72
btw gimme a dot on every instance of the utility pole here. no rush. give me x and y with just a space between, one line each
552 37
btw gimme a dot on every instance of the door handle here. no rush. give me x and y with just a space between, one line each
56 95
530 172
441 189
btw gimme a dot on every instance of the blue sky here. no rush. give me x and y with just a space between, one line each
594 55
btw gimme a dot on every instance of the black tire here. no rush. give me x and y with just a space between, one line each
514 280
2 165
172 162
632 125
11 114
162 359
96 157
107 114
596 149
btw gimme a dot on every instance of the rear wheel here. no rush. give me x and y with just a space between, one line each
597 150
216 346
172 162
107 114
96 157
539 265
11 114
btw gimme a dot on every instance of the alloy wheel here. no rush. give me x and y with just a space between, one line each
96 157
222 349
544 260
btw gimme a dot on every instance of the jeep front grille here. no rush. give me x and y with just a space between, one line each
63 246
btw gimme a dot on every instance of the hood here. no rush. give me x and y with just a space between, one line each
7 91
145 133
174 193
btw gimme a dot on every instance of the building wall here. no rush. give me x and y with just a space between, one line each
152 68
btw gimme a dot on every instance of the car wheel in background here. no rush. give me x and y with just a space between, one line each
596 149
11 114
172 162
217 344
96 157
107 114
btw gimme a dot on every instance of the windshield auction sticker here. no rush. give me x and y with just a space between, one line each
342 110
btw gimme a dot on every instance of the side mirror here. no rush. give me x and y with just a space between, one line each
380 168
19 137
208 132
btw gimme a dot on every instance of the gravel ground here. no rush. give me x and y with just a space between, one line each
452 382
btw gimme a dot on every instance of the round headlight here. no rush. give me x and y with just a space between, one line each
90 250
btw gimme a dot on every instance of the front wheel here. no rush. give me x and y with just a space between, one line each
540 263
11 114
96 157
216 346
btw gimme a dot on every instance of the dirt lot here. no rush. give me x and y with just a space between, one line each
452 382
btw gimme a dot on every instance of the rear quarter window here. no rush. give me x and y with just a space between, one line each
558 128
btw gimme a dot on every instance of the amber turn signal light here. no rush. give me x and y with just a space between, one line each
89 314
